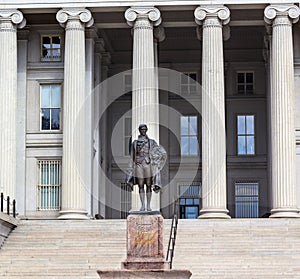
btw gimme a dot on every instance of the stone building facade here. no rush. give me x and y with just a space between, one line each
218 85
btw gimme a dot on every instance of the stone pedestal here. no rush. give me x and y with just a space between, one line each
145 257
145 242
148 274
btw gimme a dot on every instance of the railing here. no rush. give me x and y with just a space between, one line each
8 205
171 246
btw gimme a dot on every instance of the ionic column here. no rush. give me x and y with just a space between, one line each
145 102
212 19
283 166
74 113
10 20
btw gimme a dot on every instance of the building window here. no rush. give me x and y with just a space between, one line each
188 83
246 200
50 107
188 135
126 201
50 48
246 134
189 201
49 184
127 135
245 83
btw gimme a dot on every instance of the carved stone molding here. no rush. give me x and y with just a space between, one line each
291 12
150 13
23 34
91 33
81 14
159 34
13 16
99 46
221 13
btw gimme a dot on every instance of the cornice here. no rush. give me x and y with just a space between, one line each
37 4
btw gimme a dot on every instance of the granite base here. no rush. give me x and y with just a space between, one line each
147 274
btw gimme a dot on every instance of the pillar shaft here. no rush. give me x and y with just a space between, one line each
213 112
74 174
283 156
9 21
145 102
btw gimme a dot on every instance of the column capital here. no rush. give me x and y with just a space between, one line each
290 11
81 14
150 13
13 16
220 13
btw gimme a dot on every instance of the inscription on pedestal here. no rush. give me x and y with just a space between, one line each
144 236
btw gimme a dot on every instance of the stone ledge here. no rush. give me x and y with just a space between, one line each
7 224
138 274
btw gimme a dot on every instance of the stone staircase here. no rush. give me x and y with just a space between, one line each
237 248
63 249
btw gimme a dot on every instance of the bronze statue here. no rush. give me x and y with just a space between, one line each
145 164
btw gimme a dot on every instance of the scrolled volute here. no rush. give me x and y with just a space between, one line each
221 12
84 15
15 16
152 13
291 11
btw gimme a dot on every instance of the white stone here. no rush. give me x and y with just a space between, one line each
74 175
283 161
9 21
145 102
213 112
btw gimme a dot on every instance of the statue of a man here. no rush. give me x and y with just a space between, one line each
142 170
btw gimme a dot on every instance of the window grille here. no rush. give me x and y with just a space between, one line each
50 48
126 200
245 83
49 185
50 107
246 199
189 201
189 135
245 135
189 190
188 83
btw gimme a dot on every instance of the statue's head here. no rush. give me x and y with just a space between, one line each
143 129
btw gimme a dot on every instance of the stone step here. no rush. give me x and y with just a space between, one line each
261 248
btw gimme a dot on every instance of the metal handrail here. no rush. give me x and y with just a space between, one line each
8 205
172 239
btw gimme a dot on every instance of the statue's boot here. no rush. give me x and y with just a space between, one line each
142 197
149 194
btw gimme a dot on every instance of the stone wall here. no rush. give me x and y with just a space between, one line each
7 224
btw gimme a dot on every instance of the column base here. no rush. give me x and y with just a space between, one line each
214 213
73 215
285 213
